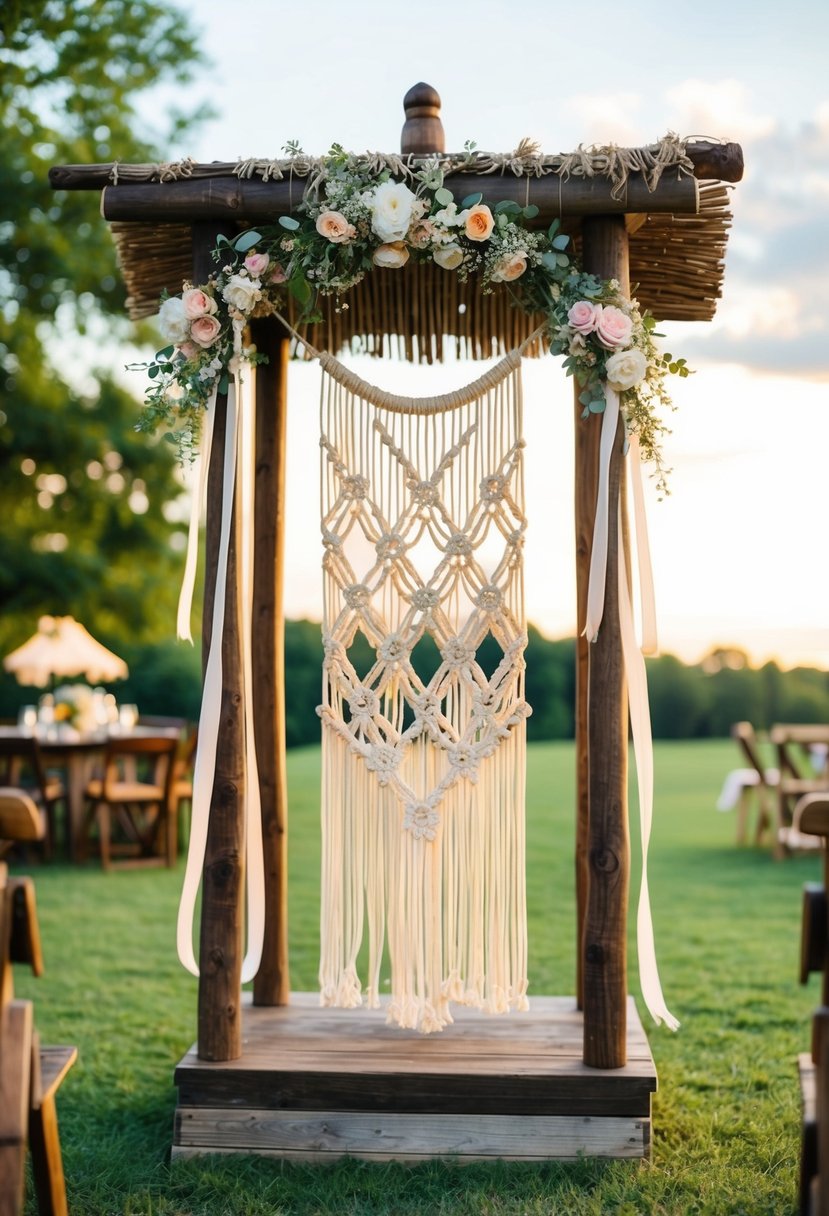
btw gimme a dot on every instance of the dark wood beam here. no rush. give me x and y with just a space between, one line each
229 198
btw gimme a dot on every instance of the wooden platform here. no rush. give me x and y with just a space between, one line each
315 1084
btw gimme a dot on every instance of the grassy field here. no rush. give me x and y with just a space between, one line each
726 1118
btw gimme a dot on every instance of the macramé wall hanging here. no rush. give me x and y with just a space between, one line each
423 770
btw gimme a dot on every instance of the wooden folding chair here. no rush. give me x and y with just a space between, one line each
30 1075
140 805
756 780
22 767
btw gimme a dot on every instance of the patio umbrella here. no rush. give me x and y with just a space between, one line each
62 647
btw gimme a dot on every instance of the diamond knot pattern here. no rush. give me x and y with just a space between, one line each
423 542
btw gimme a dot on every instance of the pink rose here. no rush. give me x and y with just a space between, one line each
583 316
277 274
335 227
205 330
479 222
256 264
613 327
197 303
510 266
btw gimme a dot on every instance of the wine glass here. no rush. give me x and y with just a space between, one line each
27 719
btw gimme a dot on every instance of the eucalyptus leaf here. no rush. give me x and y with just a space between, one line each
444 197
562 259
561 241
166 353
597 407
530 212
246 241
471 200
550 260
288 221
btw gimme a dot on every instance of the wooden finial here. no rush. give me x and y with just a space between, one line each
422 131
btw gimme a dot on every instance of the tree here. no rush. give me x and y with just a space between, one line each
83 497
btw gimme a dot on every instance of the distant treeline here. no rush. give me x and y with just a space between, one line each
687 702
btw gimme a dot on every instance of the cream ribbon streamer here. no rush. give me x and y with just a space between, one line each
635 673
598 553
197 505
234 478
640 723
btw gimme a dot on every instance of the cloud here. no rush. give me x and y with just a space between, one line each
607 117
725 108
803 355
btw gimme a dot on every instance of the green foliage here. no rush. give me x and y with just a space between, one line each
81 495
726 1116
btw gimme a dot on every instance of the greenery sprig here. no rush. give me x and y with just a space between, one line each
352 222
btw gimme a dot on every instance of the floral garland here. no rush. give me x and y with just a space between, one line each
354 221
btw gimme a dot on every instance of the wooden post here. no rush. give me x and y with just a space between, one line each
423 130
604 957
272 984
222 915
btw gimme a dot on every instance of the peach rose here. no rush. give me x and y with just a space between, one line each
335 227
204 331
197 303
479 222
256 264
392 256
449 257
613 327
583 315
510 266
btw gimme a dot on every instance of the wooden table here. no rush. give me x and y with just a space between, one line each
76 755
798 745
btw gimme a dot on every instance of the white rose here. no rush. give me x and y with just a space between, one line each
173 320
391 210
240 291
392 256
449 257
626 369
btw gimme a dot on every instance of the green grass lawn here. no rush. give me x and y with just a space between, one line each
726 1118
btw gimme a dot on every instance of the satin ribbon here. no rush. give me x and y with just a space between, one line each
636 675
197 505
235 478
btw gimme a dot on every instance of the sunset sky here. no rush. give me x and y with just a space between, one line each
739 548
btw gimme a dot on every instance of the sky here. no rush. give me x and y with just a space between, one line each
739 547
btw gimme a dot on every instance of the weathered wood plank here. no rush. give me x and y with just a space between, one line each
403 1137
301 1057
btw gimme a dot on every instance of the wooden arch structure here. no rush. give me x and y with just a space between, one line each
275 1075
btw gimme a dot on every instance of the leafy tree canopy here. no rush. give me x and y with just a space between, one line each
84 500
